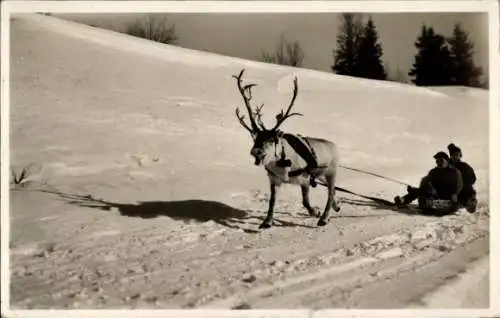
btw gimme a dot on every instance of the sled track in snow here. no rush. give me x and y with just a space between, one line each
344 271
155 265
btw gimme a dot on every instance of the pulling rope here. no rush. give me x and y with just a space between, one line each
374 174
381 201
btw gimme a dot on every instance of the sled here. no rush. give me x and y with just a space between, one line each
441 204
438 207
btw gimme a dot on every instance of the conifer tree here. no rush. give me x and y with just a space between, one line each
464 71
433 64
347 45
368 63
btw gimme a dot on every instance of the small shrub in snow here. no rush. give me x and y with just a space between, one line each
154 28
20 178
287 53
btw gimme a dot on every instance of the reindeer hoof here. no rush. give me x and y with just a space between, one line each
314 212
322 222
265 225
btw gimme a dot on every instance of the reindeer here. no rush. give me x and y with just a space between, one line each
300 160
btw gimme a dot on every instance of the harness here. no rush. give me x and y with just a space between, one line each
301 146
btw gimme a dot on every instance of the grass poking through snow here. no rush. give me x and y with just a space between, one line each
20 178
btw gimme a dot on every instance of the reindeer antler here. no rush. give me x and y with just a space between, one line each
241 118
281 117
254 128
258 115
256 123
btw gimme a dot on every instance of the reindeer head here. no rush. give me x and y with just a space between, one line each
264 139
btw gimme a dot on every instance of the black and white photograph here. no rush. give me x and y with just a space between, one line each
293 160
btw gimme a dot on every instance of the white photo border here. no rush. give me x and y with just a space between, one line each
395 6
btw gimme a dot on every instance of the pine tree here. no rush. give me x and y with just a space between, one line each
368 63
465 73
347 45
433 64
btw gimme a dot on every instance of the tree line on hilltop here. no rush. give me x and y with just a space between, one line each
439 60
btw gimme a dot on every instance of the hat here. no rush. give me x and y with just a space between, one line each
443 155
453 149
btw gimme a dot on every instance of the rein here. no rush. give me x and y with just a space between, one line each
375 175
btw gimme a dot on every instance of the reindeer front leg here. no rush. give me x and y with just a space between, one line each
268 221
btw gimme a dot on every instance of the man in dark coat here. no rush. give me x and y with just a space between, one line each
467 196
443 182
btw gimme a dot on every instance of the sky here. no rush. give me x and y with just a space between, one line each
247 35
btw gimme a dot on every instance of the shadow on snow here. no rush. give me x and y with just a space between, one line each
203 211
185 210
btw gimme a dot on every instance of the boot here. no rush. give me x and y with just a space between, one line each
471 205
399 202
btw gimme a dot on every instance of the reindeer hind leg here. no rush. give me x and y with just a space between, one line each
330 202
305 201
331 184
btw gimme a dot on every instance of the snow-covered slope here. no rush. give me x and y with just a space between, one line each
152 199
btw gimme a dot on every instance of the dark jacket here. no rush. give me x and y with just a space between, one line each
445 181
468 175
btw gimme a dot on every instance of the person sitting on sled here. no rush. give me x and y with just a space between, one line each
443 182
467 196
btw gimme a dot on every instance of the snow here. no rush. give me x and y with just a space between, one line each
468 290
145 195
